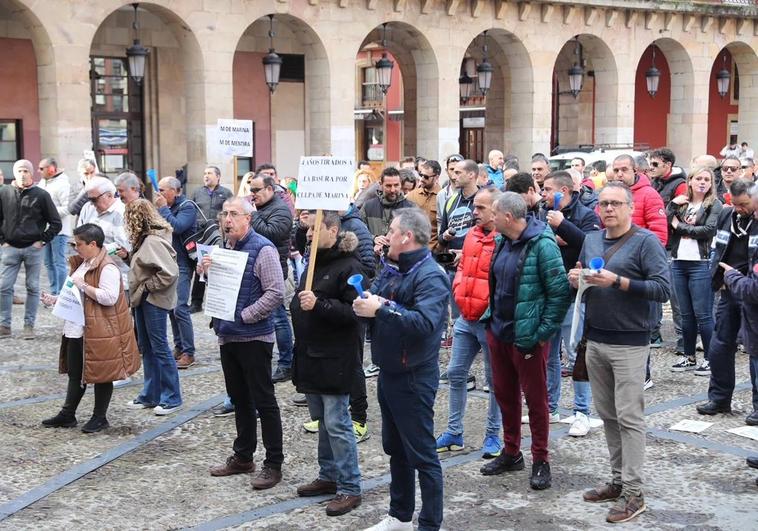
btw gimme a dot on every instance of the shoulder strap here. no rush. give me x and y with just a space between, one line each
619 244
197 207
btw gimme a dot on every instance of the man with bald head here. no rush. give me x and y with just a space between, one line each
182 216
495 168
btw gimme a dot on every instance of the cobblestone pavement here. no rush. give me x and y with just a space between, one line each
692 481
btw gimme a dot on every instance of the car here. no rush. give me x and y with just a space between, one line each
562 157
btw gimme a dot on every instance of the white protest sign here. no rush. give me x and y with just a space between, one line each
224 279
235 137
324 183
69 304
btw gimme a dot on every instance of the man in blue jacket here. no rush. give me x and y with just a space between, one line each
182 215
407 310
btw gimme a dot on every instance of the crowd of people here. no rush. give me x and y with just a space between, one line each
547 273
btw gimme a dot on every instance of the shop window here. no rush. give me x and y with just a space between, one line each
10 146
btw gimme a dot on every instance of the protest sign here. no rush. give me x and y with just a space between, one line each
235 137
224 279
69 304
324 183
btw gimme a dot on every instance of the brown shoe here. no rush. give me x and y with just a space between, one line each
267 478
626 508
317 487
342 504
28 333
5 331
17 300
608 492
185 361
233 466
177 353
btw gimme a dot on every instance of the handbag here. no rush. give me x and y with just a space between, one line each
580 373
207 233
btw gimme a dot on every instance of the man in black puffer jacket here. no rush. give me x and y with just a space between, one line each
327 341
273 220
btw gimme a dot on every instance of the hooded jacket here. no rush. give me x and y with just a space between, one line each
328 338
182 216
407 330
153 270
27 216
377 212
648 209
351 222
540 284
495 176
273 221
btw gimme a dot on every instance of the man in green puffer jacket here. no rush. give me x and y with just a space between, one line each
529 295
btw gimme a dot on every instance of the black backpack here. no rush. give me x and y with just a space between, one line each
207 233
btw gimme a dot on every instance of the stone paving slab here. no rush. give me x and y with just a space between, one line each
165 484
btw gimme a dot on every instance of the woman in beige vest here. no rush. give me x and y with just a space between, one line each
104 348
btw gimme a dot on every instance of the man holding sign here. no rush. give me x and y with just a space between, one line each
247 343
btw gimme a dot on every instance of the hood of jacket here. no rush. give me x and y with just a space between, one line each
642 182
534 228
347 243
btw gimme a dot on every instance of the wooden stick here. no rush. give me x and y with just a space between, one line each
314 249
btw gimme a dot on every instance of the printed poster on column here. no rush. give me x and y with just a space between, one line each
324 183
235 137
224 279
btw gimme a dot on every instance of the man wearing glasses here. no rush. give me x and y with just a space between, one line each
56 183
731 169
620 315
28 221
425 196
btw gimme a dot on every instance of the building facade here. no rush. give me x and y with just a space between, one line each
65 89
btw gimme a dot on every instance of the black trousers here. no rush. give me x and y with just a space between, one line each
358 399
247 373
198 290
75 390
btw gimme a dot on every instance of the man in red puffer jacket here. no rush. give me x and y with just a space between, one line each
472 294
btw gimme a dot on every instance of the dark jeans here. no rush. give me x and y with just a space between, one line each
75 390
181 319
247 373
407 404
722 351
198 290
358 398
283 332
692 283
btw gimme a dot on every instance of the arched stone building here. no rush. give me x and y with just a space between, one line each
64 88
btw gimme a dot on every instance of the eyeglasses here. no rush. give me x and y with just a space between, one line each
454 158
94 199
613 204
730 168
232 214
425 176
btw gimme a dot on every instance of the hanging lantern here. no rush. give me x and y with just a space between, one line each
136 54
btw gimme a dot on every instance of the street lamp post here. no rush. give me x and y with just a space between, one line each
136 54
484 70
384 68
272 62
652 77
722 80
576 72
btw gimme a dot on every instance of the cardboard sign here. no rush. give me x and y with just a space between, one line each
235 137
324 183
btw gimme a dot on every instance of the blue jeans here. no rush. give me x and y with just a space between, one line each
283 337
468 338
161 387
9 267
181 320
455 312
722 350
692 283
406 400
582 392
337 449
55 262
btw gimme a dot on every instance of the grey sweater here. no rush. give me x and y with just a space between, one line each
627 317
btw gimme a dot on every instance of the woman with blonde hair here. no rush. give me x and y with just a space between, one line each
153 276
244 189
693 219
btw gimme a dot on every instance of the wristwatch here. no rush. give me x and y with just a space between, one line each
617 283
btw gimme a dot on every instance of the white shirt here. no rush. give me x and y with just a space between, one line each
106 294
59 189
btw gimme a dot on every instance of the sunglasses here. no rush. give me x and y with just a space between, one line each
454 158
730 168
256 190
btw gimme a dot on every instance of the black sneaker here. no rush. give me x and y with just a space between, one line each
443 377
541 478
684 364
471 383
222 410
61 420
95 424
713 408
281 374
503 463
196 307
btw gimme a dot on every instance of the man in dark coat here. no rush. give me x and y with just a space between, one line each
327 341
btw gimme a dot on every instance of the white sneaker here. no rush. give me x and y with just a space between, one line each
554 417
648 384
133 404
581 425
162 411
390 523
371 371
122 383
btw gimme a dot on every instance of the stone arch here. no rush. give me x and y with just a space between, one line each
509 103
744 57
45 102
419 68
593 117
173 87
308 133
677 74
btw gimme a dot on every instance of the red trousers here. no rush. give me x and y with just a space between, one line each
512 373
